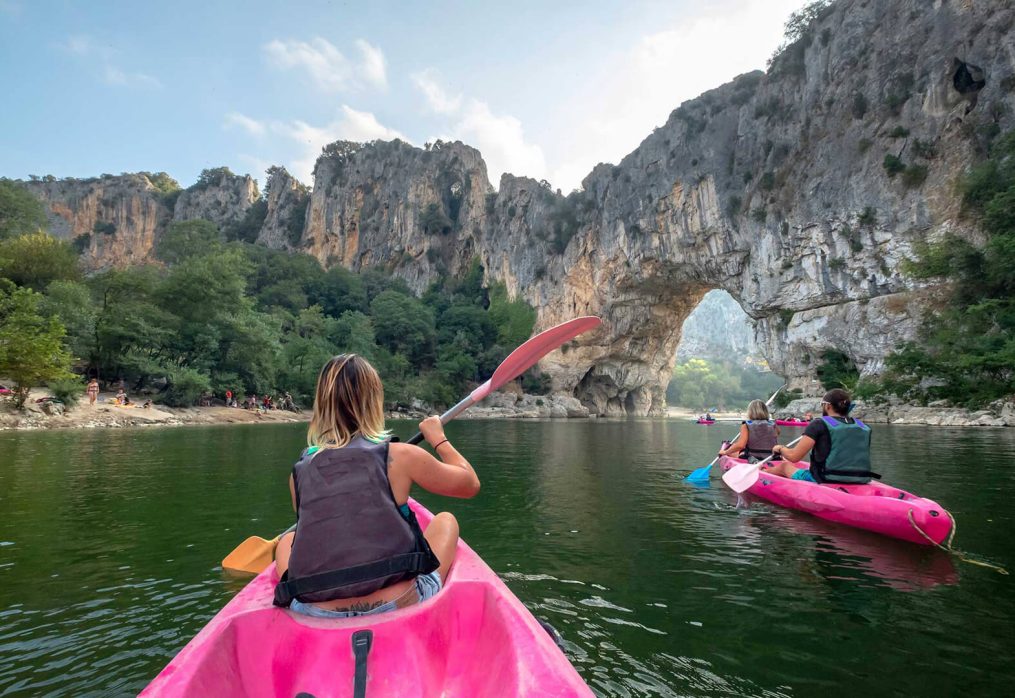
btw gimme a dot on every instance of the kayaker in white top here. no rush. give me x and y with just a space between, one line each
839 446
758 434
350 490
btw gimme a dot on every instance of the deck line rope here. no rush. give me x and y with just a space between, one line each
949 548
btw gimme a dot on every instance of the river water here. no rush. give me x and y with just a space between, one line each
110 542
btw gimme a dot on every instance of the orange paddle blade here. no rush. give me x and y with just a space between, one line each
251 556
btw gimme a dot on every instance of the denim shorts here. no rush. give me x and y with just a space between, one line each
803 474
427 586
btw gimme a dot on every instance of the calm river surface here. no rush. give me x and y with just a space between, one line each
110 542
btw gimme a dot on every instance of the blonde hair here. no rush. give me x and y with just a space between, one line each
349 400
757 410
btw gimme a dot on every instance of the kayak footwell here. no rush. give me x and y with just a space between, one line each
474 638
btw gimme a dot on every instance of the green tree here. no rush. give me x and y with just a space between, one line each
31 344
36 259
966 352
72 304
187 239
20 211
404 325
514 319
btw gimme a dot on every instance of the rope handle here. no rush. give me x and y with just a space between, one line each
949 549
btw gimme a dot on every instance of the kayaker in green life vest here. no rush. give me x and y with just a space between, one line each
758 434
358 548
839 446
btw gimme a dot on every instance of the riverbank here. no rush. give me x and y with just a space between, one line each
106 414
997 414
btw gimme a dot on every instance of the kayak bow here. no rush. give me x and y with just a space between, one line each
475 638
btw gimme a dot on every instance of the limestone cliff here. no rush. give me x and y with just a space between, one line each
799 191
112 220
219 196
287 200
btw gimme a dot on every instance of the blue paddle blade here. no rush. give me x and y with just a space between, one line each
700 475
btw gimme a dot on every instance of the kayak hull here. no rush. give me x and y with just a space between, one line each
874 506
473 638
705 421
790 423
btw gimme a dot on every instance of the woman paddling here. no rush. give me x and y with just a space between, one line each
839 446
357 548
758 434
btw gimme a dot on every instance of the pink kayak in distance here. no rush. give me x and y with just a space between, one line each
706 421
791 423
474 638
874 506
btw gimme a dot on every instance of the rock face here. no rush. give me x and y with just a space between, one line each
287 200
114 221
717 329
221 197
775 187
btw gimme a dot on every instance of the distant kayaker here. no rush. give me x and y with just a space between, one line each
839 446
357 548
758 434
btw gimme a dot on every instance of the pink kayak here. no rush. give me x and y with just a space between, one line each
706 421
791 423
875 506
475 638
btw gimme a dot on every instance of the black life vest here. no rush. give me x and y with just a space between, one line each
761 437
351 539
849 460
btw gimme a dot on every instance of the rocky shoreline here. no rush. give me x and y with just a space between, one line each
998 414
501 405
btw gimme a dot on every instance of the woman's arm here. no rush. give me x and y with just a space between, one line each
739 444
292 491
452 476
795 453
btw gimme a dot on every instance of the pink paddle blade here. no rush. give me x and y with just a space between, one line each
740 478
526 356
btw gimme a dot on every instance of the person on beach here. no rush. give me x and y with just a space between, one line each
358 548
758 434
229 398
93 391
839 446
121 396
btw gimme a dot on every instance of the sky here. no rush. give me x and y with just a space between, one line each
543 89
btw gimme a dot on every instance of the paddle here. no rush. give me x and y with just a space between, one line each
256 553
253 554
519 361
705 472
740 477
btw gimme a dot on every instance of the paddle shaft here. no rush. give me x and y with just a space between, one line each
447 416
519 361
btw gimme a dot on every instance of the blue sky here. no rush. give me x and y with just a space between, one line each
545 89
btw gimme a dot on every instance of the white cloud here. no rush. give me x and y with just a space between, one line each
119 78
372 64
501 141
326 66
437 98
618 109
499 137
102 59
244 122
350 125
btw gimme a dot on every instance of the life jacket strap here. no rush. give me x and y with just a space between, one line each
410 563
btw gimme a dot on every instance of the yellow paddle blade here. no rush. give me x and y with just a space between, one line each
251 556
